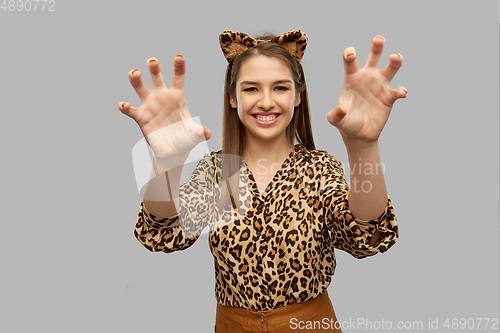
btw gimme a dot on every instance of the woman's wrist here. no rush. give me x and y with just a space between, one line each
171 163
360 146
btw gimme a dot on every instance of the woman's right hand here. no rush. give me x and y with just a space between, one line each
164 117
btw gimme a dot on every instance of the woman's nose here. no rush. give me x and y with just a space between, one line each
266 101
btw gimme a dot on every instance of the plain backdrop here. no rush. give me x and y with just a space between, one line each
69 258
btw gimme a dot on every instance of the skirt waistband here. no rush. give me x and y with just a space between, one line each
302 309
283 319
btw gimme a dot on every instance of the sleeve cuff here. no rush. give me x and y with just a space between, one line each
155 223
386 223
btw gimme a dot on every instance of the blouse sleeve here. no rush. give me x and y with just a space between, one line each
182 230
349 233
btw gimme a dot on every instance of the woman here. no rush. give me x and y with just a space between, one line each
270 226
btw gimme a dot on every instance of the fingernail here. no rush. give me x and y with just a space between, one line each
380 37
180 55
350 53
406 91
133 71
151 60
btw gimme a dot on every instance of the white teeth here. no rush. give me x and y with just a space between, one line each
268 118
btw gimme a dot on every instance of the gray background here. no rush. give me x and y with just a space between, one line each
69 260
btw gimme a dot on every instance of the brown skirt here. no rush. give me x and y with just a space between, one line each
315 315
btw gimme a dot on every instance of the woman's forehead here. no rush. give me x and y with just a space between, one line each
262 67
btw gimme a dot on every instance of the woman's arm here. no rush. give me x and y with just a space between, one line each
364 107
168 128
358 237
161 197
184 223
367 195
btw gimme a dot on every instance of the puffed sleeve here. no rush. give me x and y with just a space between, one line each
196 209
349 233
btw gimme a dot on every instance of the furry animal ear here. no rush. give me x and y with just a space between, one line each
294 41
235 43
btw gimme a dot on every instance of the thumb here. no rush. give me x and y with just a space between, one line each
203 131
336 115
207 132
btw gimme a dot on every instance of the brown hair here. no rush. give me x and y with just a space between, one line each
233 131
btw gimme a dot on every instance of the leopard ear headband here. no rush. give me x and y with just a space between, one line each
233 44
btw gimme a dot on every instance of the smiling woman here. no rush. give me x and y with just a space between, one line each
263 76
276 65
272 236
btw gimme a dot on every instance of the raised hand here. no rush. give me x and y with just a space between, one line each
366 99
164 116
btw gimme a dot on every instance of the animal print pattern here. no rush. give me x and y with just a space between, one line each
235 43
278 247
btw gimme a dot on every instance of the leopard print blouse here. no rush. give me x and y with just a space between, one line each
278 247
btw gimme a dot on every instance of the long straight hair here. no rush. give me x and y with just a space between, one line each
233 131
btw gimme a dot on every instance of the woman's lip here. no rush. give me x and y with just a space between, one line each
265 114
266 122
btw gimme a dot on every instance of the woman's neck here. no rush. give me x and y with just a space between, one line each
266 152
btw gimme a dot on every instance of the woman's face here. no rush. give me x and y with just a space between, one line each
265 98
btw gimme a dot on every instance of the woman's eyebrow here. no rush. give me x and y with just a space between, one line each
275 82
249 83
283 81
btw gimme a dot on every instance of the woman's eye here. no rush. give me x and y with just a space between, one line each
281 88
250 89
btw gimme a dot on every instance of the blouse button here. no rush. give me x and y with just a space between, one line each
259 233
261 319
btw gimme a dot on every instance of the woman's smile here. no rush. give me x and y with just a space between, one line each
266 119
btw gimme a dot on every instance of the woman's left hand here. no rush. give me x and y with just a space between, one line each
366 99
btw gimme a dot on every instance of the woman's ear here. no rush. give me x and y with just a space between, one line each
232 101
297 99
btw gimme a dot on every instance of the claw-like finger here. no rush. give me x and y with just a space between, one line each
351 65
390 70
375 51
127 109
156 75
335 116
398 93
179 72
136 81
204 131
